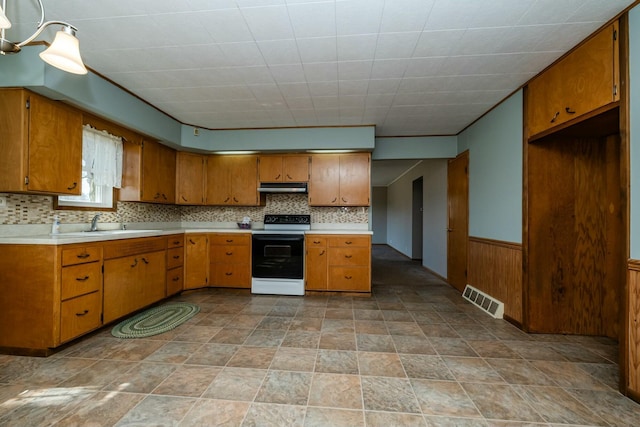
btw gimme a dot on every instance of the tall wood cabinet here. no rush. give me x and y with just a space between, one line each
41 144
232 180
148 173
340 180
191 172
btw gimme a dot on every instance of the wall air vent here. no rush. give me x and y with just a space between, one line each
486 303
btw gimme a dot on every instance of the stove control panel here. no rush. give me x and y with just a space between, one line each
287 219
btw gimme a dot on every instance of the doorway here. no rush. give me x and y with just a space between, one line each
416 220
458 220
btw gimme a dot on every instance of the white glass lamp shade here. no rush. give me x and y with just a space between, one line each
4 21
64 53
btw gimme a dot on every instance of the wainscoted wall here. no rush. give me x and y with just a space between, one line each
33 209
633 272
495 267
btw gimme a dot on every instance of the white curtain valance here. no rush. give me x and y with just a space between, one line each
102 153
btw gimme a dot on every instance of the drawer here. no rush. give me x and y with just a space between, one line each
230 239
354 279
231 275
349 256
128 247
81 255
230 254
349 241
316 241
175 241
175 257
81 279
80 315
175 280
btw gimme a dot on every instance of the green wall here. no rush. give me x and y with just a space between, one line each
634 77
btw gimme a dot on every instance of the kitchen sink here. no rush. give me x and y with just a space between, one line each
103 233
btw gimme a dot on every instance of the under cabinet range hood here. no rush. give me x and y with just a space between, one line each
283 187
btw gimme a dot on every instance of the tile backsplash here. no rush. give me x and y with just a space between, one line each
25 209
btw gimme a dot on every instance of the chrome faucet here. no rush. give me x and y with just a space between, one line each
94 222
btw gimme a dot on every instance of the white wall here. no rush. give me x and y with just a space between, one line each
634 112
399 202
379 215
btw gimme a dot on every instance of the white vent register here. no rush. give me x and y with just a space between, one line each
485 302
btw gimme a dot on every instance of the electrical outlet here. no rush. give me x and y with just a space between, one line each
3 202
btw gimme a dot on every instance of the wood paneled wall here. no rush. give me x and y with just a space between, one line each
495 267
633 272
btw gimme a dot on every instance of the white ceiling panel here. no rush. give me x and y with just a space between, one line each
410 67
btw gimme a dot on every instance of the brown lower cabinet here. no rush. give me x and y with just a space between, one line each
230 260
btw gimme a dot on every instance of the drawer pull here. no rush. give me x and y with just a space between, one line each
348 256
84 313
135 262
82 279
555 116
146 261
316 242
175 279
73 186
569 110
83 255
348 242
176 242
176 257
229 240
228 274
348 277
229 253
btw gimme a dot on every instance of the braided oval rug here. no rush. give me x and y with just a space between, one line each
156 320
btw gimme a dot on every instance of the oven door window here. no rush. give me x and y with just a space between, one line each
278 256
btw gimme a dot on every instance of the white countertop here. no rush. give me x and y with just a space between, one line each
87 237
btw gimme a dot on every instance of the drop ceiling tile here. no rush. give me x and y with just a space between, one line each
226 26
388 68
266 92
242 54
396 45
437 43
278 52
324 102
409 99
294 90
379 101
549 12
423 84
359 47
499 13
255 74
202 5
284 74
425 67
323 88
354 70
257 3
268 23
191 29
405 15
596 10
353 102
321 71
479 41
525 38
353 87
300 104
321 49
313 19
383 86
452 15
358 16
556 38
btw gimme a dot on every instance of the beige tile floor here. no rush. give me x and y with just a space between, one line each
414 354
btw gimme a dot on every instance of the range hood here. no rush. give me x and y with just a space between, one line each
283 187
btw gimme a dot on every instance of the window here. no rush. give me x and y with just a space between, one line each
101 172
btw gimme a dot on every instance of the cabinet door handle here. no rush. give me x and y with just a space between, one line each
322 253
184 199
164 196
192 242
555 116
157 196
234 199
135 262
569 110
228 274
227 199
176 242
277 177
83 255
175 279
176 257
146 261
73 186
344 200
289 177
82 279
348 277
84 313
334 200
229 253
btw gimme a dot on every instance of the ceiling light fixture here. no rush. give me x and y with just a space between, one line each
63 53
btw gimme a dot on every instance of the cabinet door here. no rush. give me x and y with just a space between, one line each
295 168
218 181
354 179
55 147
270 169
158 173
196 261
324 183
316 269
190 178
244 180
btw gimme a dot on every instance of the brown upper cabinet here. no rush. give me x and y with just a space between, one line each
191 172
293 168
232 180
340 179
41 144
148 173
584 81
